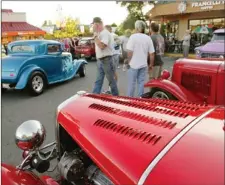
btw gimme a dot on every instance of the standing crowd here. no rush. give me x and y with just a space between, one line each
142 54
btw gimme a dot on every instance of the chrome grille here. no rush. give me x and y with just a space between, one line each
210 55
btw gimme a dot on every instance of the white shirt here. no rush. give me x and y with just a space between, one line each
187 39
141 45
124 41
106 38
115 41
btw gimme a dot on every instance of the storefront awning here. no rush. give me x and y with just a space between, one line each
20 28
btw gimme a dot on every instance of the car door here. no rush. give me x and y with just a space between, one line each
53 63
67 65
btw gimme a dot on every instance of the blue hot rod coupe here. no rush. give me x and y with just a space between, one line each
34 64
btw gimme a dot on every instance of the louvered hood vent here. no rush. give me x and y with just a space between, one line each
146 105
146 137
134 116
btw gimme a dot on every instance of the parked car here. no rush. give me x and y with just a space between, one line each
85 48
34 64
124 141
194 80
215 48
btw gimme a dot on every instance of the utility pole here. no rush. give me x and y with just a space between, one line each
59 15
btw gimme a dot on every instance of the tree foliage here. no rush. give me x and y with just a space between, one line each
49 36
71 29
45 23
87 32
113 25
135 9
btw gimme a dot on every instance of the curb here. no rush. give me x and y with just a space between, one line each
178 55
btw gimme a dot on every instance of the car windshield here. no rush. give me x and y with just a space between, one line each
23 49
218 36
3 49
84 42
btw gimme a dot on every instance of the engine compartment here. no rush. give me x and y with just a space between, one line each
75 166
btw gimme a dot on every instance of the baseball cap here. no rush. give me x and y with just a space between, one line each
96 20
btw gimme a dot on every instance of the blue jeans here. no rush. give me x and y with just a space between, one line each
105 68
133 76
116 60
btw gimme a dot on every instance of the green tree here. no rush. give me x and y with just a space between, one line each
113 25
135 9
87 31
49 36
70 30
45 23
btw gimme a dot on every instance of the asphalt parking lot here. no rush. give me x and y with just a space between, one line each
18 107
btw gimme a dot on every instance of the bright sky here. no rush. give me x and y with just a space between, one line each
39 11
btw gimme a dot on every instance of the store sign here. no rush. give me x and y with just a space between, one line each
206 4
182 7
25 33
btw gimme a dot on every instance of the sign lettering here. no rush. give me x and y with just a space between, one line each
206 4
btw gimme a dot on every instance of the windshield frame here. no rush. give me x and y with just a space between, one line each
84 42
215 37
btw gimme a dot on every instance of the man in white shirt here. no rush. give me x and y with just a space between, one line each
139 47
104 53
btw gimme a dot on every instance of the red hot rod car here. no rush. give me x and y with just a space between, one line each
193 80
125 141
85 48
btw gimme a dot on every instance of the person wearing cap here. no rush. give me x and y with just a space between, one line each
104 54
140 47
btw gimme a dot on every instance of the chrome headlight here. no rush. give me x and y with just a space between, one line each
221 56
197 52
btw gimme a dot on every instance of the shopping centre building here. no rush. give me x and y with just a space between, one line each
181 16
15 27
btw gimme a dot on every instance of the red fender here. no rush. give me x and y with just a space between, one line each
12 176
176 90
48 180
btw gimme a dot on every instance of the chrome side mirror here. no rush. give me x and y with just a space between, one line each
30 135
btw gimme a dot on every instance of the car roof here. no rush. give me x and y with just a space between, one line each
219 31
87 38
35 42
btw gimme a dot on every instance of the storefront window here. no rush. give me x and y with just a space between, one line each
202 30
172 30
210 23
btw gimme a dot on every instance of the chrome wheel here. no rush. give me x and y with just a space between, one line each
160 95
37 83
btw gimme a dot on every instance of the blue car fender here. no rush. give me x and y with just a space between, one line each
78 63
24 77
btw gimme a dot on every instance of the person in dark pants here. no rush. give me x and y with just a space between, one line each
159 46
104 52
72 48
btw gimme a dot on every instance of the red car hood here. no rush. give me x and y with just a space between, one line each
123 136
